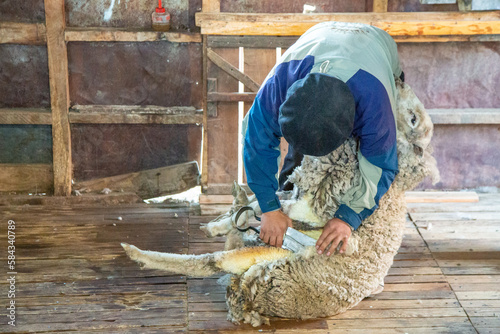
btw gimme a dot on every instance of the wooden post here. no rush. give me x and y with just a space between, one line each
59 96
204 158
380 6
210 5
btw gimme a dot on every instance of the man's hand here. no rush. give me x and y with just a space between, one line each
334 232
273 226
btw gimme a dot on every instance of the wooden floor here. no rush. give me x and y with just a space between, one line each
74 276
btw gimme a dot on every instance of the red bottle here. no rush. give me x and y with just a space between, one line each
161 18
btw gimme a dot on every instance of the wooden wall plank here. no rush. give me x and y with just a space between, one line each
22 33
149 183
34 178
228 41
222 131
25 116
465 116
440 196
232 70
258 64
59 96
99 34
124 114
204 139
396 24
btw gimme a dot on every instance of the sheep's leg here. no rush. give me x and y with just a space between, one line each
234 240
235 261
218 227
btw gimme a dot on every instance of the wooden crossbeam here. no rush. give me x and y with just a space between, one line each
465 116
441 196
22 33
123 114
59 96
232 70
396 24
25 116
271 42
149 183
230 97
99 34
120 114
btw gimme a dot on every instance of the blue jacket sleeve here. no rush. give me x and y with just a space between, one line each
261 156
375 127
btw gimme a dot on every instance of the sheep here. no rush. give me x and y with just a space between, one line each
273 282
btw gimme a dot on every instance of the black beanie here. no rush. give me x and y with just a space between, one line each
317 115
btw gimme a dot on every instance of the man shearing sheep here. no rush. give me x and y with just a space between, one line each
336 81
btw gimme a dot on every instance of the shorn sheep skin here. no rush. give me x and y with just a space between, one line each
270 282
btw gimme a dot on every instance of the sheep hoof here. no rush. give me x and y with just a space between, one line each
132 251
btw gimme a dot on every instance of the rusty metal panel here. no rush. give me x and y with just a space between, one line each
154 73
22 11
24 76
416 6
106 150
467 156
453 75
25 144
124 13
286 6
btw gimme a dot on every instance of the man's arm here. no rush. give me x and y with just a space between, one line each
378 164
261 155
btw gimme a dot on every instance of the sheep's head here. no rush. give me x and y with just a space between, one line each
415 131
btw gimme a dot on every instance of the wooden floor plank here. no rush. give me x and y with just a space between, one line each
74 275
406 323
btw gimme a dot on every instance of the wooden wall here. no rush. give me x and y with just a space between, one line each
119 61
158 72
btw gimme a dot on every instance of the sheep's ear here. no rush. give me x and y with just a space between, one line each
236 189
419 151
239 194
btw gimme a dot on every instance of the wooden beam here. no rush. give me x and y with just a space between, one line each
262 42
441 196
465 116
259 42
25 116
211 89
380 6
232 70
149 183
123 114
447 38
22 33
33 178
396 24
210 6
230 97
59 96
204 140
98 34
